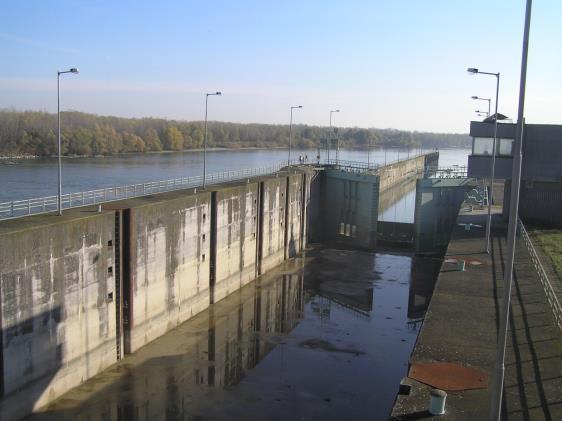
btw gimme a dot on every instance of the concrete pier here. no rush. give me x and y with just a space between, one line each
461 325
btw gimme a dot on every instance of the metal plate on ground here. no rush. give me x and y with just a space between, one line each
448 376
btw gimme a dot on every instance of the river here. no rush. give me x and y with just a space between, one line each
31 178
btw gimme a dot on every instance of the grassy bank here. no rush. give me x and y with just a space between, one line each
550 241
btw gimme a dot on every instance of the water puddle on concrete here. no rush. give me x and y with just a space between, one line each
322 337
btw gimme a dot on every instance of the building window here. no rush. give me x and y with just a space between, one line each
483 146
506 147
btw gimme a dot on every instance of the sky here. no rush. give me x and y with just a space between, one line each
387 64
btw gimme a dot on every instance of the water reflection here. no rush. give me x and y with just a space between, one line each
398 204
323 337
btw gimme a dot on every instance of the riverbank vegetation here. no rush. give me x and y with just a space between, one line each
32 133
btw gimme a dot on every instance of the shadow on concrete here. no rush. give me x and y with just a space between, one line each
186 373
29 351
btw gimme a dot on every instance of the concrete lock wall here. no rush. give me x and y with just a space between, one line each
272 247
80 291
236 234
437 205
393 174
169 265
295 215
57 305
350 208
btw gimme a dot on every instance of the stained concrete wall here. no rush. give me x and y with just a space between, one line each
349 208
236 233
437 206
398 172
169 263
294 221
272 251
57 304
82 290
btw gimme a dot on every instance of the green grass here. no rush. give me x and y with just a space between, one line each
551 243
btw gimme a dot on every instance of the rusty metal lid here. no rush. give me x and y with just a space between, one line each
448 376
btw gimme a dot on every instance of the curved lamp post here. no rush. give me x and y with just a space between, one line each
59 201
474 71
330 134
291 133
483 99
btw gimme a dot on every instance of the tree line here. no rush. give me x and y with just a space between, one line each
34 133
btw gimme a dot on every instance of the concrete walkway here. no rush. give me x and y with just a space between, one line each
461 327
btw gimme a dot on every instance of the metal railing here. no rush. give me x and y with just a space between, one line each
363 166
551 297
351 165
21 208
456 171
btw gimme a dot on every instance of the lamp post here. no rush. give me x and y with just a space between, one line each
330 133
483 99
291 133
59 201
497 383
218 93
474 71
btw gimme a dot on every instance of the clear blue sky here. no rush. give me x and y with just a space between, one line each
398 64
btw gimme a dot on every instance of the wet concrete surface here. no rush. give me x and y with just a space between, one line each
321 337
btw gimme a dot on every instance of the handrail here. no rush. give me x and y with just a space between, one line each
35 206
456 171
551 297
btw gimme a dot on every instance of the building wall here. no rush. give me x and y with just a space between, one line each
57 306
540 202
169 260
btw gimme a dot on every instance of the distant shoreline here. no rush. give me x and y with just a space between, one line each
214 149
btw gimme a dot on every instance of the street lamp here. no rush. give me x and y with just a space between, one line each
291 133
218 93
330 134
75 71
474 71
482 113
483 99
499 372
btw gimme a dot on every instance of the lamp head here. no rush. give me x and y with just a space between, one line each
74 70
219 93
300 106
472 70
474 97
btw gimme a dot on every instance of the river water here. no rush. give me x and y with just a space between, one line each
321 337
34 178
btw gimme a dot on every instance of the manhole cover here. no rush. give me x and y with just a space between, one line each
448 376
